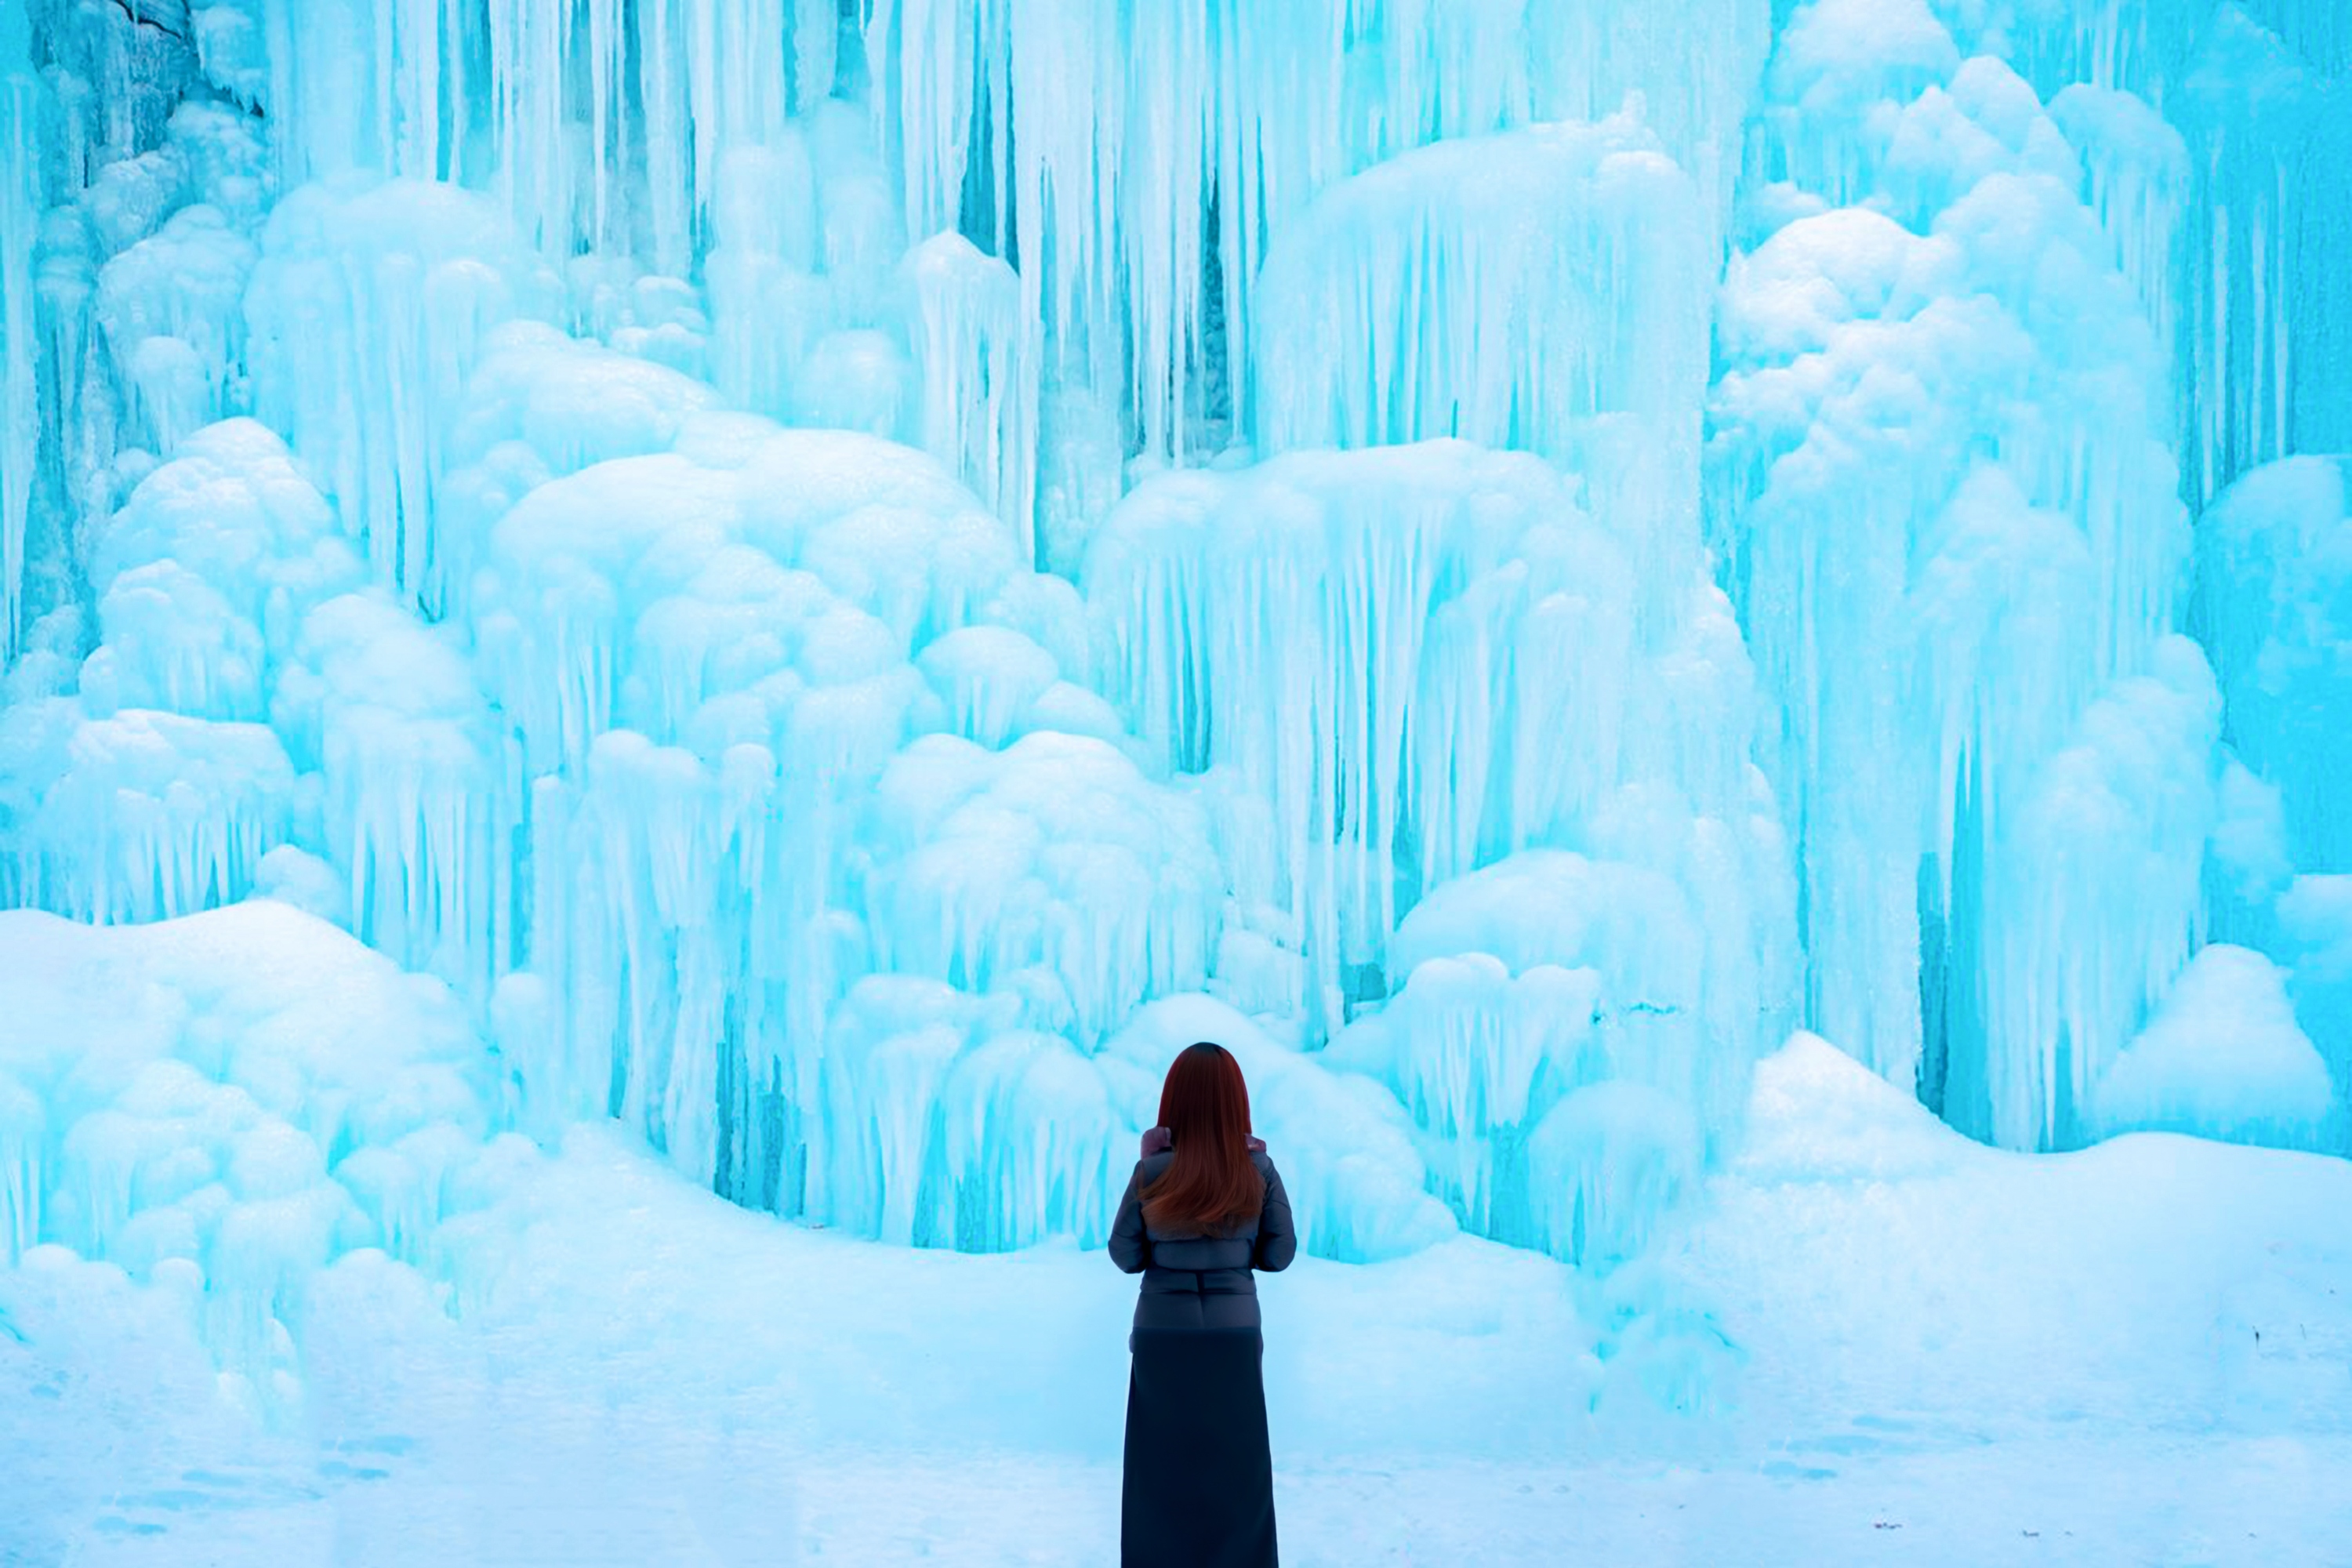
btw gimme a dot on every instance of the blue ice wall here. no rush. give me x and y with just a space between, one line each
846 577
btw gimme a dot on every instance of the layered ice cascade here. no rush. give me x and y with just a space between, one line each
837 583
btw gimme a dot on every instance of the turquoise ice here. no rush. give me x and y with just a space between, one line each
822 585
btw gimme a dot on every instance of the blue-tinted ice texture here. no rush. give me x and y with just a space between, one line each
836 586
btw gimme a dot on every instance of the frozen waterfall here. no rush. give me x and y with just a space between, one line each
835 583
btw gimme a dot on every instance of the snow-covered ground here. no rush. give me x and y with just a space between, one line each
1886 1343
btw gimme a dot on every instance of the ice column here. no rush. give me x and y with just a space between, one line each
2257 92
20 410
1569 1037
385 708
1399 665
1129 128
368 308
978 356
768 305
22 1135
1582 246
2141 185
1943 493
2272 311
170 308
2274 583
714 659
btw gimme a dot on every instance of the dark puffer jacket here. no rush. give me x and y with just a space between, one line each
1201 1281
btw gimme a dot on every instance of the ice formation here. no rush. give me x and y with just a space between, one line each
1954 451
2223 1055
2275 575
1435 649
835 582
226 1102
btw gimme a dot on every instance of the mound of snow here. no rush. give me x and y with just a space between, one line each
229 1102
2222 1057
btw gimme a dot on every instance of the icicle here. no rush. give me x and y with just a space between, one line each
1378 310
2252 111
887 1049
1834 66
608 149
1068 87
22 1135
1164 181
991 679
20 410
1478 1057
817 48
1028 1146
532 148
637 622
400 1185
2092 908
2016 512
366 313
769 309
170 308
148 816
402 740
1279 139
1384 661
990 864
2272 577
2140 187
978 355
922 58
672 197
1608 1161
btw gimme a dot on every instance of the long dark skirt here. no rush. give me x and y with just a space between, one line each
1199 1489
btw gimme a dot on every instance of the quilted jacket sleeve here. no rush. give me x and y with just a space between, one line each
1130 1247
1278 1242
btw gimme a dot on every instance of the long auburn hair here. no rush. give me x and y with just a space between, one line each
1211 1183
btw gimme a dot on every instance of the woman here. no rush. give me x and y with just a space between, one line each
1203 1209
